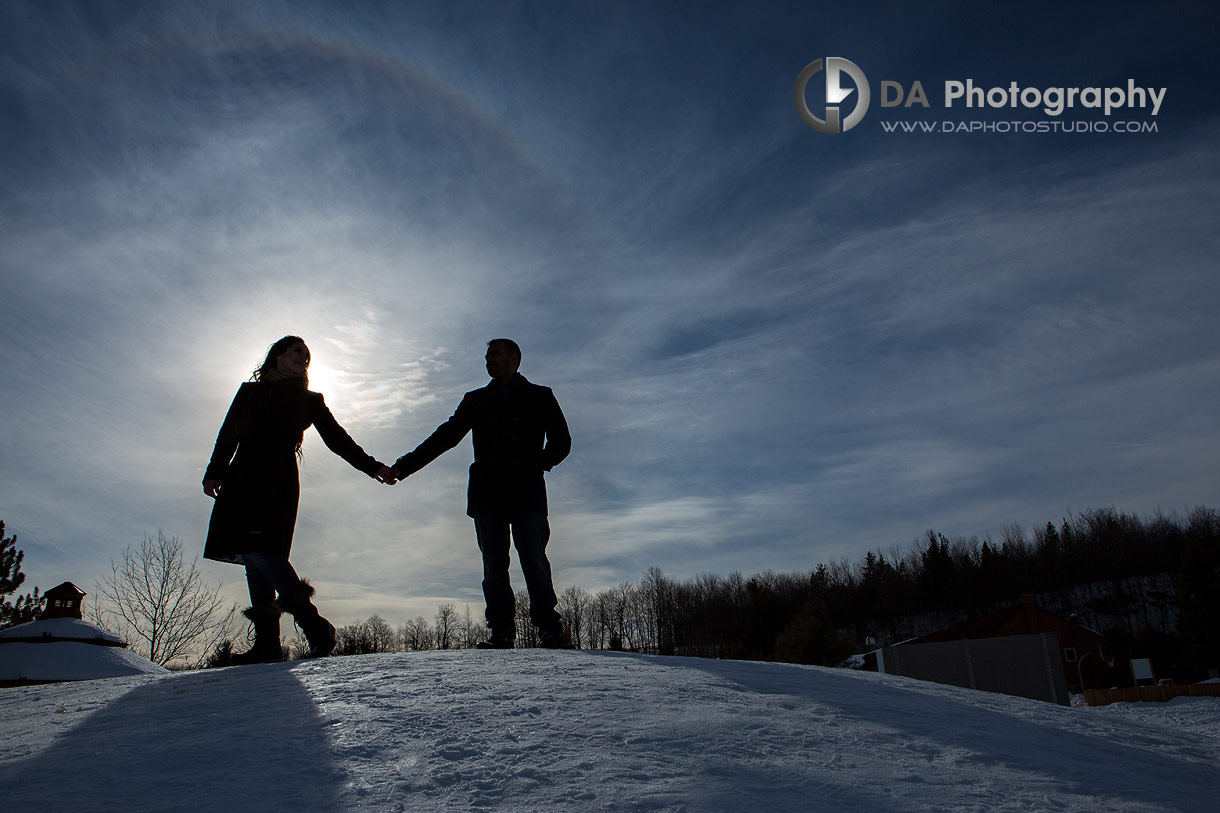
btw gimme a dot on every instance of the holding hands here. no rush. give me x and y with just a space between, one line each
387 475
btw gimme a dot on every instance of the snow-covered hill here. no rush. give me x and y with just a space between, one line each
574 731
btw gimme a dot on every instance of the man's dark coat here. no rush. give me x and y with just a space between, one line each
519 433
256 509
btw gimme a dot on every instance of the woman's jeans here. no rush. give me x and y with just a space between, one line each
268 574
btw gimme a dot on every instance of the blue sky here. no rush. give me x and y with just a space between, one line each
775 347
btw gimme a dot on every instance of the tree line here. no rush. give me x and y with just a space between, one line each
1148 583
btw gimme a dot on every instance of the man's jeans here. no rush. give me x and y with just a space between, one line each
530 533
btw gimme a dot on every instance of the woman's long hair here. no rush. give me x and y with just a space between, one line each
275 351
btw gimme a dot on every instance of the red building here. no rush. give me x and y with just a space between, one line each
1022 650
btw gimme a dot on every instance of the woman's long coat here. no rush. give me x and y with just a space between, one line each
255 462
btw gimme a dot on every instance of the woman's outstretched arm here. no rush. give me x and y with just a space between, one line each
341 443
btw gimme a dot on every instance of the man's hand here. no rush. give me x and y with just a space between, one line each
210 487
387 475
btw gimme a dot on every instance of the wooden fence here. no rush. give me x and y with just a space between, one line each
1150 694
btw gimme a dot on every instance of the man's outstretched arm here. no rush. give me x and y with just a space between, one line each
444 438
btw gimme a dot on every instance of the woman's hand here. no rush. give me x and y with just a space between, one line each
386 475
210 487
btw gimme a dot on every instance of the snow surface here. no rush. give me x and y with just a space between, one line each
67 660
572 731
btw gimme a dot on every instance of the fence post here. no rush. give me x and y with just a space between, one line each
969 662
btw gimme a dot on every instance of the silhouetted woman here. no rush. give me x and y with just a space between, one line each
253 477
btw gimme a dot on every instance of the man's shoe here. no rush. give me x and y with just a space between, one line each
554 640
495 642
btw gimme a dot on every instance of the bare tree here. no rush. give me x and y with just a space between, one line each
416 635
161 606
656 601
621 603
597 622
526 634
472 631
353 639
298 647
573 605
446 626
381 634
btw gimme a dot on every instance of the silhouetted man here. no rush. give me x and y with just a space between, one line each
519 433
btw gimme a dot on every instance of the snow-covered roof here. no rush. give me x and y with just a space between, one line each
61 629
66 587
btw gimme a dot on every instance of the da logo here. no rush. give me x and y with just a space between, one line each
835 67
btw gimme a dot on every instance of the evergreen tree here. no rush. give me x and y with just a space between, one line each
25 608
222 655
810 638
937 577
1198 583
753 637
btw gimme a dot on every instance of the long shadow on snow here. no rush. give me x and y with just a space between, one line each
1093 764
742 770
228 740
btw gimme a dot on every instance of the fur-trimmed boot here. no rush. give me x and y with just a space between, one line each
319 632
266 649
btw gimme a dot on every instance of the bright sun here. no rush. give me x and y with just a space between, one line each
325 380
